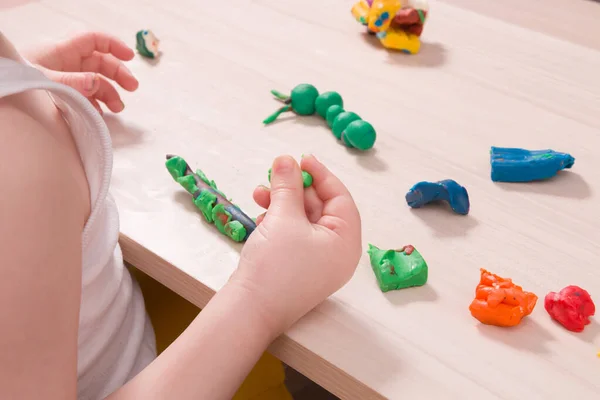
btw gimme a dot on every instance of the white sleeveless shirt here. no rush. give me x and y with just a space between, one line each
116 339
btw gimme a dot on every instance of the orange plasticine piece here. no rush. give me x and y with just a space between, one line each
498 301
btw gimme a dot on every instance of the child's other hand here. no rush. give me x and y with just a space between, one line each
305 247
88 63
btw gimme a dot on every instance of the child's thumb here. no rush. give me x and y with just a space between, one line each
287 192
86 83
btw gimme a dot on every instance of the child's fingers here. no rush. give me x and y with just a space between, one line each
112 68
260 218
262 196
327 185
107 94
89 42
339 210
313 205
96 105
86 83
287 192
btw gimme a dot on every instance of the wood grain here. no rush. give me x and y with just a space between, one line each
501 73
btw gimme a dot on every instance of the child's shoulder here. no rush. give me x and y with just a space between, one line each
37 164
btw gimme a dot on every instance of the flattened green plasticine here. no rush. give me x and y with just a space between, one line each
235 230
205 203
176 167
221 217
189 183
398 269
326 100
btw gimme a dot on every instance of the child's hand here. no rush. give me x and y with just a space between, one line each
305 248
86 63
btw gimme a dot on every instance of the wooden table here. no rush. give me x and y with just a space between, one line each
504 73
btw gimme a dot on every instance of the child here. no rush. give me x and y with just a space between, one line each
74 324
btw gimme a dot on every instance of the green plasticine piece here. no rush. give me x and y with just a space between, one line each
333 112
221 217
189 183
146 43
307 178
342 121
205 203
326 100
176 167
303 99
398 269
235 230
360 134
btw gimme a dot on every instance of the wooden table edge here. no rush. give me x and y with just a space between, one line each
284 348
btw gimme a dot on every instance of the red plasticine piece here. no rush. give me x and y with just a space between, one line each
571 307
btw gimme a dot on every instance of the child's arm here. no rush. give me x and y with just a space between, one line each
289 265
42 213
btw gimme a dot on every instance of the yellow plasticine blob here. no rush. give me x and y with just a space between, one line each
382 13
397 39
360 11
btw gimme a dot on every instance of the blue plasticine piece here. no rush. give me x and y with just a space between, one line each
521 165
447 190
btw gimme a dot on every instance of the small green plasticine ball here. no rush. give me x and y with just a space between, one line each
303 99
360 134
333 112
307 179
326 100
342 121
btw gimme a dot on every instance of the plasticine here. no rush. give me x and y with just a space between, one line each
572 307
398 269
521 165
447 190
498 301
214 205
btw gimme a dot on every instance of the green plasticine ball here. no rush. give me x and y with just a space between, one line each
303 99
333 112
342 121
360 134
307 179
326 100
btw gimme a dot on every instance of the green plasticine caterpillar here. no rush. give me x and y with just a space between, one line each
229 219
346 126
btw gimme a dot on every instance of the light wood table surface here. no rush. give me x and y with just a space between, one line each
503 73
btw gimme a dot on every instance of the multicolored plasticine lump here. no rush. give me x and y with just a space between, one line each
398 269
214 205
447 190
397 24
521 165
572 307
346 126
147 43
498 301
